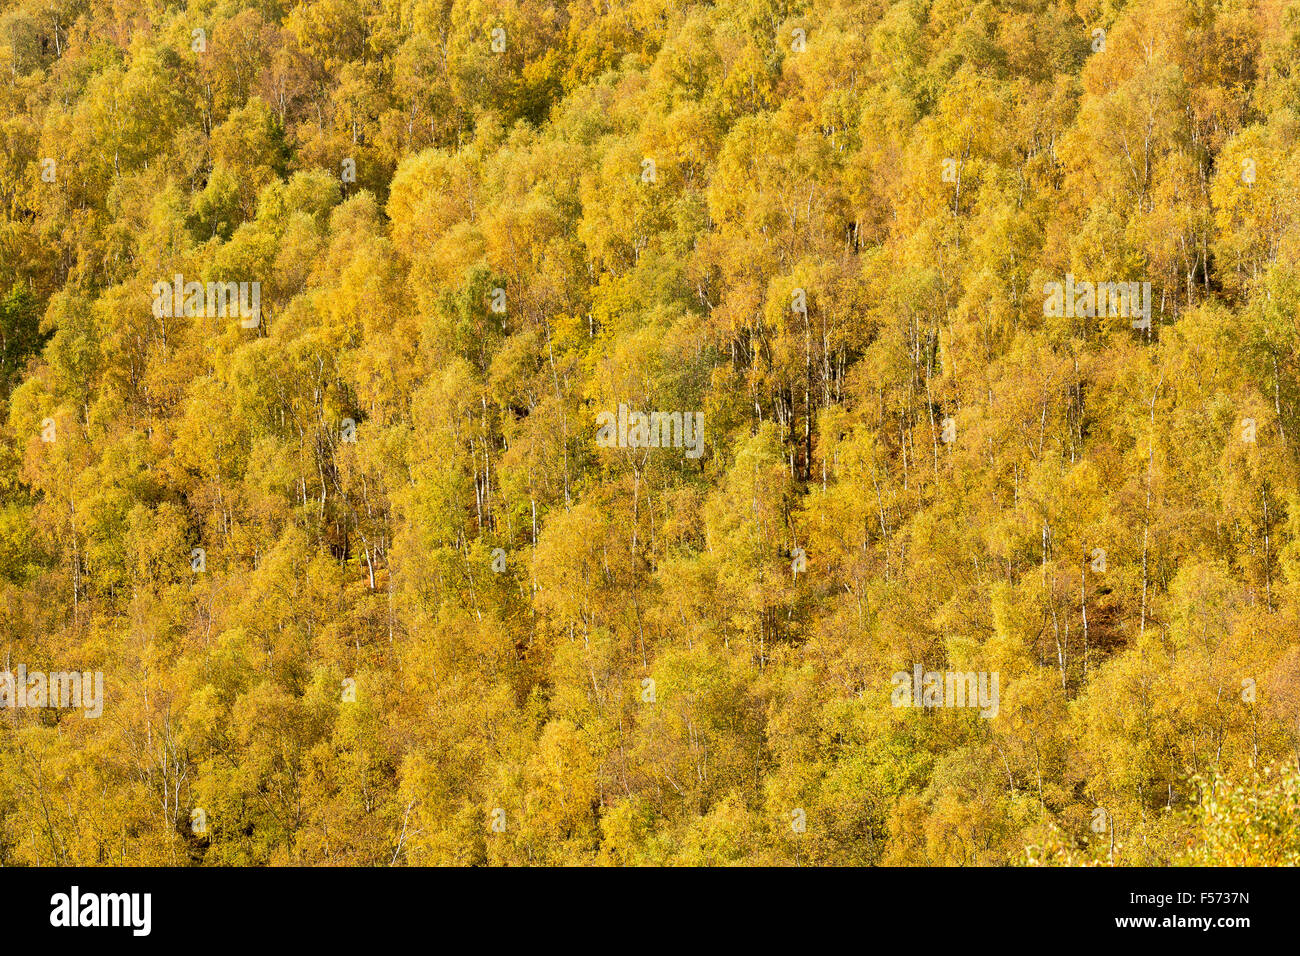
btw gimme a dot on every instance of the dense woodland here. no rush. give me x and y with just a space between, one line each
474 636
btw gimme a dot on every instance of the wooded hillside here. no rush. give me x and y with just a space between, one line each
365 588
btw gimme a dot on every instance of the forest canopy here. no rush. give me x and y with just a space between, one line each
495 432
